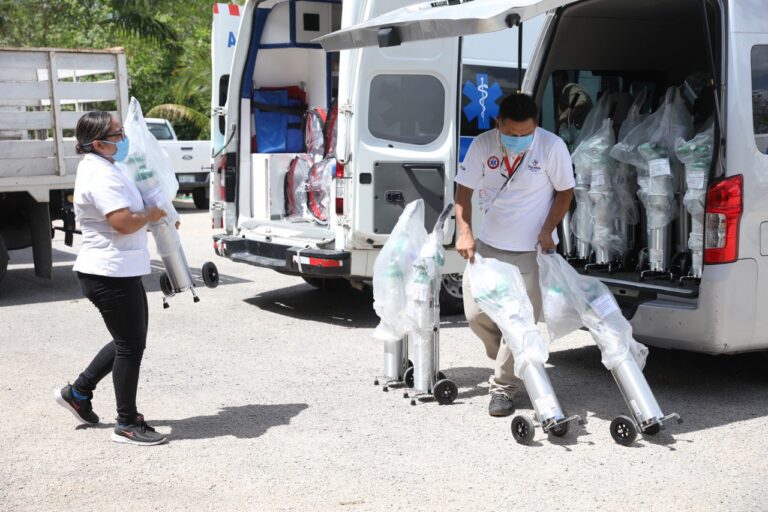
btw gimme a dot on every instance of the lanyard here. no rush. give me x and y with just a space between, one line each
511 170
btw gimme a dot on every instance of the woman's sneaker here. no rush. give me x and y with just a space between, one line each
80 409
137 432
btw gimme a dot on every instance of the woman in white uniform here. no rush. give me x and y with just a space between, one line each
111 261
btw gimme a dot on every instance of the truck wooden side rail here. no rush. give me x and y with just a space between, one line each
43 93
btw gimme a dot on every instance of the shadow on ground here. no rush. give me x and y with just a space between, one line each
20 285
243 422
349 307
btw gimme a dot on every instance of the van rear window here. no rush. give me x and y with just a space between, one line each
760 95
406 108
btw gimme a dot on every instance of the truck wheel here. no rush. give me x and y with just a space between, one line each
330 284
3 258
200 198
451 296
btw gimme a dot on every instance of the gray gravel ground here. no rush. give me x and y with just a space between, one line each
266 388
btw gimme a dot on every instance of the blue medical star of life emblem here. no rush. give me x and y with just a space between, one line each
482 101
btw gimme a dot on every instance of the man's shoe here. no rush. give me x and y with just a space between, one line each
80 409
501 405
137 432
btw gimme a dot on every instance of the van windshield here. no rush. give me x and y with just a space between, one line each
406 108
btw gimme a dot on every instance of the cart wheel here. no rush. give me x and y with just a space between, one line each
210 274
165 285
653 429
522 429
408 377
445 391
623 430
559 430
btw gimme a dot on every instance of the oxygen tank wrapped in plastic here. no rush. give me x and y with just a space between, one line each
696 155
582 219
606 239
296 185
392 271
650 148
423 309
625 181
499 290
571 300
148 165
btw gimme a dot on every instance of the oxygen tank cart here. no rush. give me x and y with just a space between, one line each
646 413
424 309
177 278
396 364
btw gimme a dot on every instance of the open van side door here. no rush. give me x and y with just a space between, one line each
399 106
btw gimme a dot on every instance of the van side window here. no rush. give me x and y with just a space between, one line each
406 108
760 95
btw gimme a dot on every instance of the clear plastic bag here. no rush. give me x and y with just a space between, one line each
393 269
499 290
148 165
650 148
319 184
594 120
314 137
571 300
296 185
697 155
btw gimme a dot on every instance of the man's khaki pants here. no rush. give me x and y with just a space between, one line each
503 379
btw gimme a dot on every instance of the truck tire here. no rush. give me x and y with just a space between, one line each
200 198
328 284
3 258
451 297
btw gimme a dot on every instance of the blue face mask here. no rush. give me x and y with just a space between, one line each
122 149
516 144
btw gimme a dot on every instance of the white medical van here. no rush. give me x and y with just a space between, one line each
717 48
405 152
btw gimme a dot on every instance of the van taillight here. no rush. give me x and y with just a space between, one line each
721 231
339 188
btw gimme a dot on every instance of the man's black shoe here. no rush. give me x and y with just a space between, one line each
501 405
137 432
80 409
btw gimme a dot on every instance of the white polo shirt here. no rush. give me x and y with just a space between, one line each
514 219
100 189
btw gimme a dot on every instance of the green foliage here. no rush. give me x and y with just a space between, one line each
167 43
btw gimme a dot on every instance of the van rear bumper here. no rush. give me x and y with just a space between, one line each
284 258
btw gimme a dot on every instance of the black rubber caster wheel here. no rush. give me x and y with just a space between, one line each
408 377
385 389
653 429
210 274
445 391
559 430
522 429
165 285
376 382
623 430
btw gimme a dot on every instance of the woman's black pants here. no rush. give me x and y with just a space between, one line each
122 303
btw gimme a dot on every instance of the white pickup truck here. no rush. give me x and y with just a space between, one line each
43 93
191 160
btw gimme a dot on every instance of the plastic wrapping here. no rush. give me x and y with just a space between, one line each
649 147
296 179
314 121
582 222
499 290
151 169
392 271
148 165
625 181
319 190
571 300
607 241
696 155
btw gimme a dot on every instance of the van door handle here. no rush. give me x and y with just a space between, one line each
394 196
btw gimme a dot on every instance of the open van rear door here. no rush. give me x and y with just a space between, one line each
437 19
398 137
